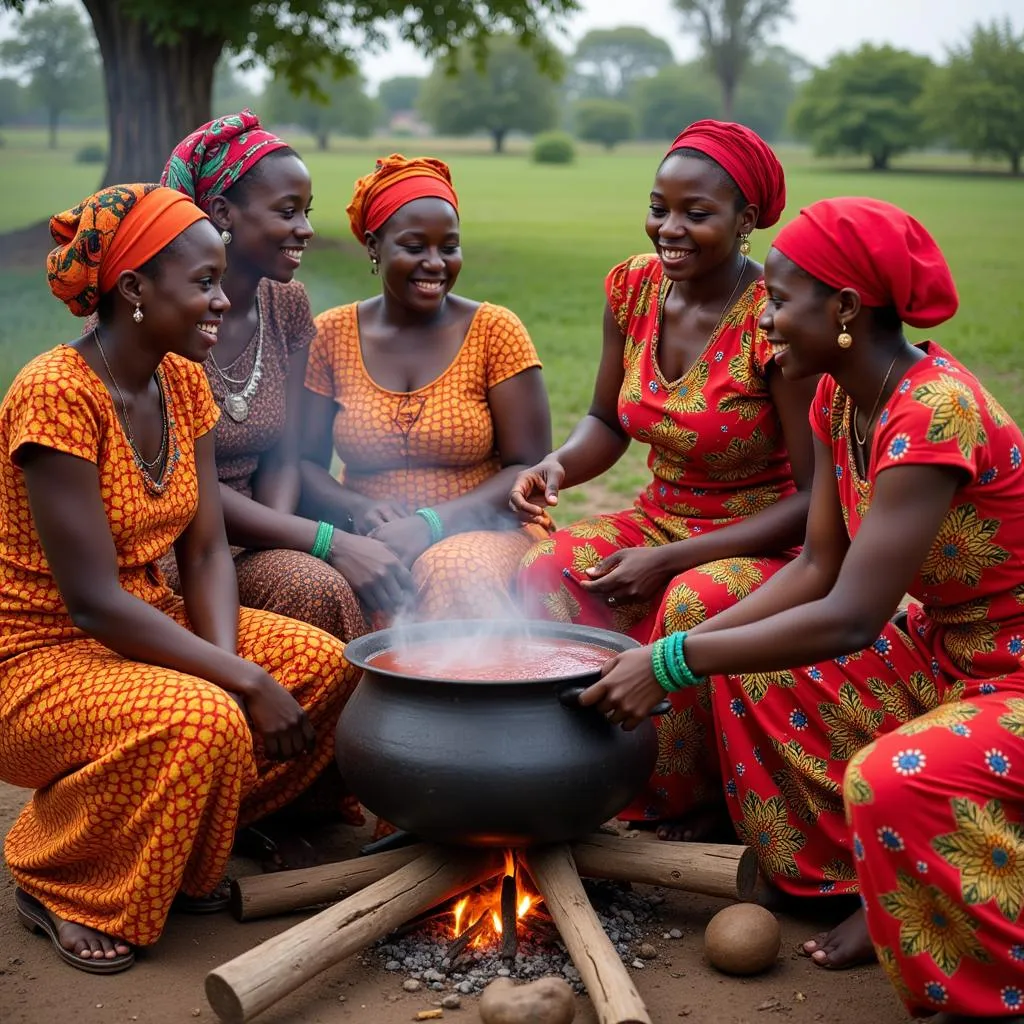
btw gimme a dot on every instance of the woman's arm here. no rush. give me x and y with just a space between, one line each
209 587
801 626
637 574
67 508
596 443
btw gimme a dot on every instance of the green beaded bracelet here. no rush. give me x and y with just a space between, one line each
322 545
433 520
675 663
660 668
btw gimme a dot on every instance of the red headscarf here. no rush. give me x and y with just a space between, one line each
208 162
119 228
394 182
876 248
747 159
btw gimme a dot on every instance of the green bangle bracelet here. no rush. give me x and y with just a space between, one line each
675 663
660 667
433 520
322 544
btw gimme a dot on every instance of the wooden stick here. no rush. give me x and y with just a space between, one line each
282 892
714 869
609 985
247 985
458 947
509 918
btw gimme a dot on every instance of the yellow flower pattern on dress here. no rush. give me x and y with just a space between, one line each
687 395
804 783
583 558
887 958
764 825
751 501
963 548
955 412
741 457
598 528
1013 719
740 576
561 605
680 741
945 716
850 724
933 924
988 851
539 550
757 684
684 609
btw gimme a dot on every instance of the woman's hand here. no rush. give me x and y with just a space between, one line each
627 691
376 574
368 515
408 538
276 716
541 483
633 574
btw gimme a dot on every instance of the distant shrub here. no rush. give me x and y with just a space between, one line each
91 154
553 148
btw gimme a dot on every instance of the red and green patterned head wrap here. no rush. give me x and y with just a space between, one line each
215 156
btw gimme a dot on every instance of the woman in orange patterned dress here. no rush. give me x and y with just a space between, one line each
686 370
149 726
434 402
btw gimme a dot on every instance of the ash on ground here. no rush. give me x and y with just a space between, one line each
420 954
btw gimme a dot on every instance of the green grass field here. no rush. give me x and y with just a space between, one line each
540 239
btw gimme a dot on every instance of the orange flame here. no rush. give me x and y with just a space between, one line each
469 909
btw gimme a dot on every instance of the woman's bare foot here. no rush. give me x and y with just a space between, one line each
846 945
88 943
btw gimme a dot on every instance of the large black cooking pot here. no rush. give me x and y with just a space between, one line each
487 763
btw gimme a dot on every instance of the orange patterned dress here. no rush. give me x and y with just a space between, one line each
429 446
141 773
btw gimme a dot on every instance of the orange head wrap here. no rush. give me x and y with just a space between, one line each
394 182
117 229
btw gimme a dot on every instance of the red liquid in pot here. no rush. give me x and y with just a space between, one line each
494 659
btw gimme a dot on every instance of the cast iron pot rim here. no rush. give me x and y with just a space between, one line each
359 651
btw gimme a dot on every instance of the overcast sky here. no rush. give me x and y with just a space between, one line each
818 29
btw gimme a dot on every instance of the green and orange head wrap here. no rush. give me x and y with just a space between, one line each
118 228
217 155
394 182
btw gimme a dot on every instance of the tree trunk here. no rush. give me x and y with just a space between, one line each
1015 163
498 134
52 120
728 98
156 94
321 141
880 161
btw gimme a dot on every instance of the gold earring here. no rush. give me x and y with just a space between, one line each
374 266
845 340
137 315
225 237
744 245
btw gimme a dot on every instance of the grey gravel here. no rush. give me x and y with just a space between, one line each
675 933
452 1002
420 954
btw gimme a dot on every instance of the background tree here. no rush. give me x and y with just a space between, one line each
608 61
55 51
730 32
673 98
341 107
608 122
399 95
159 55
864 102
768 90
514 91
12 100
977 100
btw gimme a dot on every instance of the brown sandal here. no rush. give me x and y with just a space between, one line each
35 917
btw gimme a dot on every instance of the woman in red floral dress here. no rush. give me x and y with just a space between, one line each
918 488
685 370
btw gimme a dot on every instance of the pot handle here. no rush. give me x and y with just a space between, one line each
570 698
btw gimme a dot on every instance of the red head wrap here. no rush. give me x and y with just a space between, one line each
877 249
394 182
746 158
117 229
216 155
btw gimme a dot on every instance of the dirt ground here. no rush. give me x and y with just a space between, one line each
166 985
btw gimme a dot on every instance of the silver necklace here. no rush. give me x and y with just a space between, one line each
236 403
144 465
